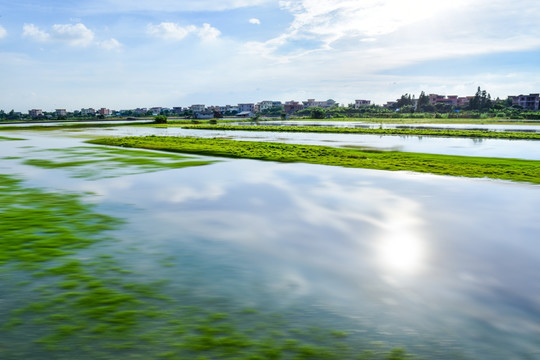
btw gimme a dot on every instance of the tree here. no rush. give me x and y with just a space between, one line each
405 100
160 119
481 101
317 113
423 102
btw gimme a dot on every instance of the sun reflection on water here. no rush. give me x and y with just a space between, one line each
401 249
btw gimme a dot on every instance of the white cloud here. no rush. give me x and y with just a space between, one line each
254 21
111 44
3 32
207 32
170 31
33 32
173 31
74 35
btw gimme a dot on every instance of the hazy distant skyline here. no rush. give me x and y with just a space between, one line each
124 54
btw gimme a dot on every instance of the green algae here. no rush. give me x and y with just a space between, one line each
467 166
102 162
93 307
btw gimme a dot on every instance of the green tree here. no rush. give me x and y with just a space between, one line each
317 113
160 119
423 103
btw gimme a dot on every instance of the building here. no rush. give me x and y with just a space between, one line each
61 112
197 108
529 102
104 112
34 113
464 100
322 104
247 107
88 112
292 106
359 103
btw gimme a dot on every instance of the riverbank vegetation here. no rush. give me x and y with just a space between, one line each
478 167
484 134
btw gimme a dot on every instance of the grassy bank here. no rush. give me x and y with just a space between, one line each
401 132
507 169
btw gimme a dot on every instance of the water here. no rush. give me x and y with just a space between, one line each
360 124
521 149
447 267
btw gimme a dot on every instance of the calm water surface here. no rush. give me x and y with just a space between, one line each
521 149
446 267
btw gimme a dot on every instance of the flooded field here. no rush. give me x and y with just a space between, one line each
171 256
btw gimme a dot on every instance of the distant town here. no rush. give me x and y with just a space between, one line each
432 103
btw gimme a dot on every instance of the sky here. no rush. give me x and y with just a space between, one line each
124 54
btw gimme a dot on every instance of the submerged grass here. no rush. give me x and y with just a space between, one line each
88 306
4 138
497 168
100 162
479 134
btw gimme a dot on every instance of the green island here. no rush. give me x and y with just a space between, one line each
478 167
72 296
485 134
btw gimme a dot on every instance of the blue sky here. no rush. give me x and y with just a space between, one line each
123 54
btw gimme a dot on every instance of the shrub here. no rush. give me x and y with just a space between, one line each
160 119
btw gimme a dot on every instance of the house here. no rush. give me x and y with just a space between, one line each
322 104
61 112
34 113
88 112
249 107
245 114
197 108
104 112
292 106
529 102
203 114
359 103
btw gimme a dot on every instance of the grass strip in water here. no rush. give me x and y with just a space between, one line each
102 162
477 134
5 138
478 167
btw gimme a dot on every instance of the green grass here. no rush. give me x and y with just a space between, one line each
478 134
497 168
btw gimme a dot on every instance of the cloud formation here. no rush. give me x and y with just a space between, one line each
3 32
33 32
77 35
111 44
254 21
73 34
176 32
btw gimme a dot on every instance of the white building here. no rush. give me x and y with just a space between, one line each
359 103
